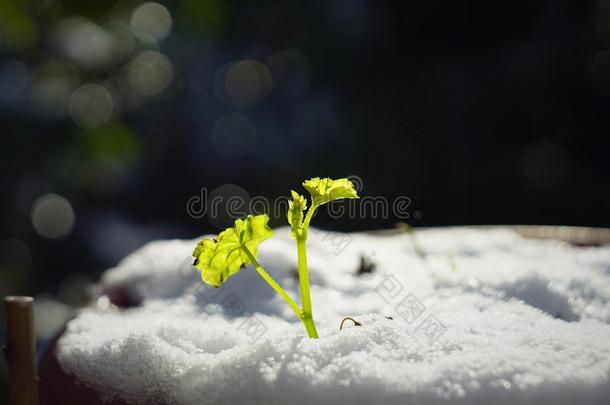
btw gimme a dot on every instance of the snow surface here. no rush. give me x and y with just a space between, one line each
478 316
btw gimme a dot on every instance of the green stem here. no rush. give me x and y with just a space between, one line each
301 239
310 327
308 217
274 285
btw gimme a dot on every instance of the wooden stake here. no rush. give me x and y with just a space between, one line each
21 350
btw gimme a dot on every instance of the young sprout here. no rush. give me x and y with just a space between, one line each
408 229
236 247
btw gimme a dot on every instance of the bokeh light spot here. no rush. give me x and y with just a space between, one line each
123 41
91 105
248 82
226 204
84 42
151 20
52 216
150 73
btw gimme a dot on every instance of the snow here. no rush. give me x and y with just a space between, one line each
479 315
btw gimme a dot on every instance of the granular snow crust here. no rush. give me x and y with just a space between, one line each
478 315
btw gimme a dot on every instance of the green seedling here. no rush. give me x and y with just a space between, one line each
451 259
421 253
408 229
236 247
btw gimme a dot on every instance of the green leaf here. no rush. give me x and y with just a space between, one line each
295 211
326 190
220 258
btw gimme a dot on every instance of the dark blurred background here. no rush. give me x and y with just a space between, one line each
115 113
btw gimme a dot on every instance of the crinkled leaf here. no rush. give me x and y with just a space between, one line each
295 211
326 190
220 258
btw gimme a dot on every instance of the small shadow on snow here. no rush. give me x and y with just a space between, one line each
245 294
533 290
537 292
